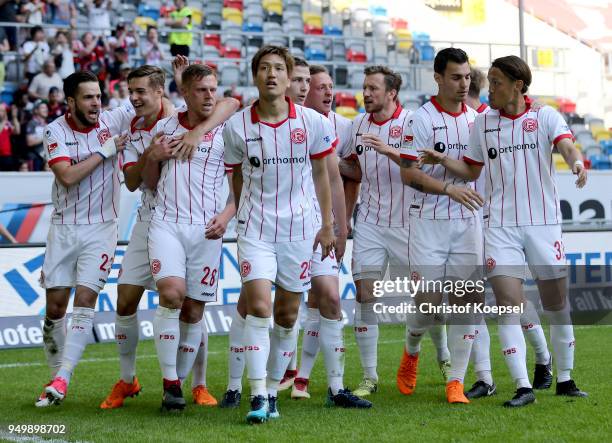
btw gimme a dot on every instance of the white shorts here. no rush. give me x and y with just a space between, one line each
181 250
377 247
135 268
541 247
287 264
79 255
445 248
328 266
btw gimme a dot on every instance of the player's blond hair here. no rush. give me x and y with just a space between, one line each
156 76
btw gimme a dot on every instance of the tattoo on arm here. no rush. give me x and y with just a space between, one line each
406 162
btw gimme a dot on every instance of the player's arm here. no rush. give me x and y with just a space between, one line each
320 177
236 183
415 178
573 158
217 226
381 147
350 169
132 172
159 150
338 204
351 194
69 175
463 168
224 109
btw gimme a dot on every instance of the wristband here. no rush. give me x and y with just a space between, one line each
101 155
108 149
578 162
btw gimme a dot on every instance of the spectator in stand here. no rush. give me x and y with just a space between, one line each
90 52
4 47
63 12
121 97
8 13
122 38
43 82
56 104
34 135
8 129
151 48
24 166
6 234
120 63
98 14
180 19
35 52
33 11
62 54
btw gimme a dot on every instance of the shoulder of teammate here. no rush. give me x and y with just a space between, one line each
119 119
473 154
417 133
233 143
555 127
321 133
344 130
54 142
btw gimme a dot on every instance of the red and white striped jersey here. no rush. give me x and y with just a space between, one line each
516 151
431 127
190 192
385 201
140 138
95 199
276 201
479 184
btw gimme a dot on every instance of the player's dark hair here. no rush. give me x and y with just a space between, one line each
157 77
446 55
196 72
393 81
318 69
477 82
276 50
299 61
514 68
72 82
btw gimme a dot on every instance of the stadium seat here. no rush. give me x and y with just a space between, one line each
347 112
602 135
315 54
213 40
212 21
144 22
292 6
341 76
600 162
356 56
332 30
338 50
197 16
559 161
230 75
231 41
312 19
428 53
378 11
340 5
230 52
566 106
209 51
236 4
145 10
382 27
233 15
273 6
359 99
592 150
355 78
345 99
404 40
252 27
312 30
399 23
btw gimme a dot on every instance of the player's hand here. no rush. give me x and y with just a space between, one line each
216 227
579 170
430 157
121 141
340 248
465 196
161 148
179 64
187 144
326 238
375 142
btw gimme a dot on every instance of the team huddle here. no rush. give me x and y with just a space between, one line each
444 192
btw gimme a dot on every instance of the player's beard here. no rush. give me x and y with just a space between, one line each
81 117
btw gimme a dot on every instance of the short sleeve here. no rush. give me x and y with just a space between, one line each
324 140
119 119
473 154
417 134
233 150
556 128
55 147
344 133
130 154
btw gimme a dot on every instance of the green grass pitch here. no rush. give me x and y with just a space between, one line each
425 416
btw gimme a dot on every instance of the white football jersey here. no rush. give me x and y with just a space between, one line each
139 139
190 191
385 201
431 127
516 151
479 184
95 199
275 203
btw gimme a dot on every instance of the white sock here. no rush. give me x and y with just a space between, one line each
332 347
236 359
532 328
167 335
513 348
481 356
438 336
54 338
282 348
310 343
76 339
461 337
126 335
257 349
366 335
562 338
189 345
417 325
201 360
292 366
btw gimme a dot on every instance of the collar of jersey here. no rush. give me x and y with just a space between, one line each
528 104
439 107
481 108
135 120
255 116
396 114
72 124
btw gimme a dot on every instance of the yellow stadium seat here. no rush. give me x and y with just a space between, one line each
601 134
359 98
552 102
144 22
312 19
196 16
404 38
560 164
340 5
233 15
275 6
545 58
347 111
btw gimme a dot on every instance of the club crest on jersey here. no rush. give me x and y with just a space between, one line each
104 135
245 268
490 264
208 136
395 131
52 147
298 135
155 266
530 124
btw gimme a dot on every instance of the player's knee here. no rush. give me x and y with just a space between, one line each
192 311
171 297
85 297
55 310
285 315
